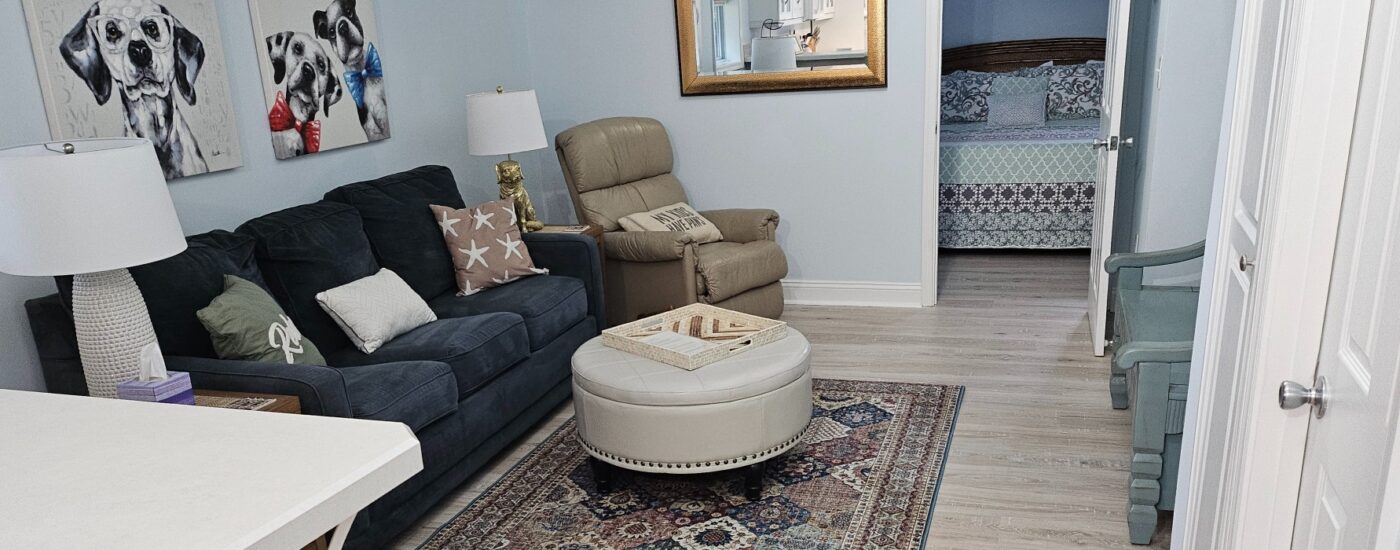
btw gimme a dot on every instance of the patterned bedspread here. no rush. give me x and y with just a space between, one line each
1017 187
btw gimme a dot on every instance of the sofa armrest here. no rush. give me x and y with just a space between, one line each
57 343
647 246
744 225
572 255
321 389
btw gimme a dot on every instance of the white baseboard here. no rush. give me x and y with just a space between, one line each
851 293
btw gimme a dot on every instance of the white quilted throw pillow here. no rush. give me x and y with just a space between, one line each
375 309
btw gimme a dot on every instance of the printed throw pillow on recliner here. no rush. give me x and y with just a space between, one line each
485 244
675 217
245 323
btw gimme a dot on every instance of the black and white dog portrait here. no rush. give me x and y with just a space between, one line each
301 65
340 24
315 55
138 68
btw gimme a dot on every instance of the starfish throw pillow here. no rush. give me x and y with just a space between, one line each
485 244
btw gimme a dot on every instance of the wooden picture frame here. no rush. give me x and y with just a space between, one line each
873 75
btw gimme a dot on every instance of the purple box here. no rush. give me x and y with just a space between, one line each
175 389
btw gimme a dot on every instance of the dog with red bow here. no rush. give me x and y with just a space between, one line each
311 88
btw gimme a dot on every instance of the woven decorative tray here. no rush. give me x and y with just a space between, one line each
700 333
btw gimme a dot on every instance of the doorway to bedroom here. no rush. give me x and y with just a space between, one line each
1074 129
1019 114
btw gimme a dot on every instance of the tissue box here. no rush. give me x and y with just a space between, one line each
175 389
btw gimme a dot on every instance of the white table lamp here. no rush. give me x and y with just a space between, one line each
91 209
503 123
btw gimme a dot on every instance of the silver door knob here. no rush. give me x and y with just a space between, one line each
1100 143
1245 263
1292 395
1128 142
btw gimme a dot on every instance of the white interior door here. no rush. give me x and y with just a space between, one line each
1348 449
1105 185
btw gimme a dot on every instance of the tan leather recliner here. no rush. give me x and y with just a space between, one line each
616 167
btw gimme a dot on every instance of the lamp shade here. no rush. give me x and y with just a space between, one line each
501 123
105 206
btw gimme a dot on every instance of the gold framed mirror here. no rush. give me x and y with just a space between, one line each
756 46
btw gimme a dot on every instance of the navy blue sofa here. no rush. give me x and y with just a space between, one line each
490 368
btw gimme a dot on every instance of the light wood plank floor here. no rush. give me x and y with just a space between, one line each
1039 459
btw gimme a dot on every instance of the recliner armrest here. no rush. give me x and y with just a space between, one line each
744 225
321 389
647 246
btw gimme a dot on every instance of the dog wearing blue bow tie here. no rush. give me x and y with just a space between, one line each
340 24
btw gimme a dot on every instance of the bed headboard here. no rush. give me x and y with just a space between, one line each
1000 57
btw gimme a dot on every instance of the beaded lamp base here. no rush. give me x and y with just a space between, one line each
112 327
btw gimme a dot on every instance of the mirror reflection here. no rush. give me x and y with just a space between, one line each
736 37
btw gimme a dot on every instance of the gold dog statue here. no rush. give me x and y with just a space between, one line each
513 187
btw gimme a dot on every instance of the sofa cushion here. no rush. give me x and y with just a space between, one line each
477 348
549 305
401 230
415 393
305 250
730 269
176 287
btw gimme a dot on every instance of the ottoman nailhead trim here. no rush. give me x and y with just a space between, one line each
687 465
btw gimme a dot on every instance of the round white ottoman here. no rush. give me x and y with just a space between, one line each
644 415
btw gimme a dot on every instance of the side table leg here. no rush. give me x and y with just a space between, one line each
602 474
753 480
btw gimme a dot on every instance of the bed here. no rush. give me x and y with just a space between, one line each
1020 187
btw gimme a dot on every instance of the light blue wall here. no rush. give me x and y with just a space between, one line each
979 21
1187 76
433 57
843 168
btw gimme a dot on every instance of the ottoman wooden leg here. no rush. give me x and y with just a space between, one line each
602 474
753 480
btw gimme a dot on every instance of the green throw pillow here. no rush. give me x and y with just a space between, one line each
246 324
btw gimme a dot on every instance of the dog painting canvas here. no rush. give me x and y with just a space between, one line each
138 68
323 76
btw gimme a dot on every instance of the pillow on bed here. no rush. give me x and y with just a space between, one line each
1075 91
1016 110
964 96
1039 70
1020 85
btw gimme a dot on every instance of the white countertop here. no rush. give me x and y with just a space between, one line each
838 54
80 472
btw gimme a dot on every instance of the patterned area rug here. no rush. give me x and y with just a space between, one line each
864 476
